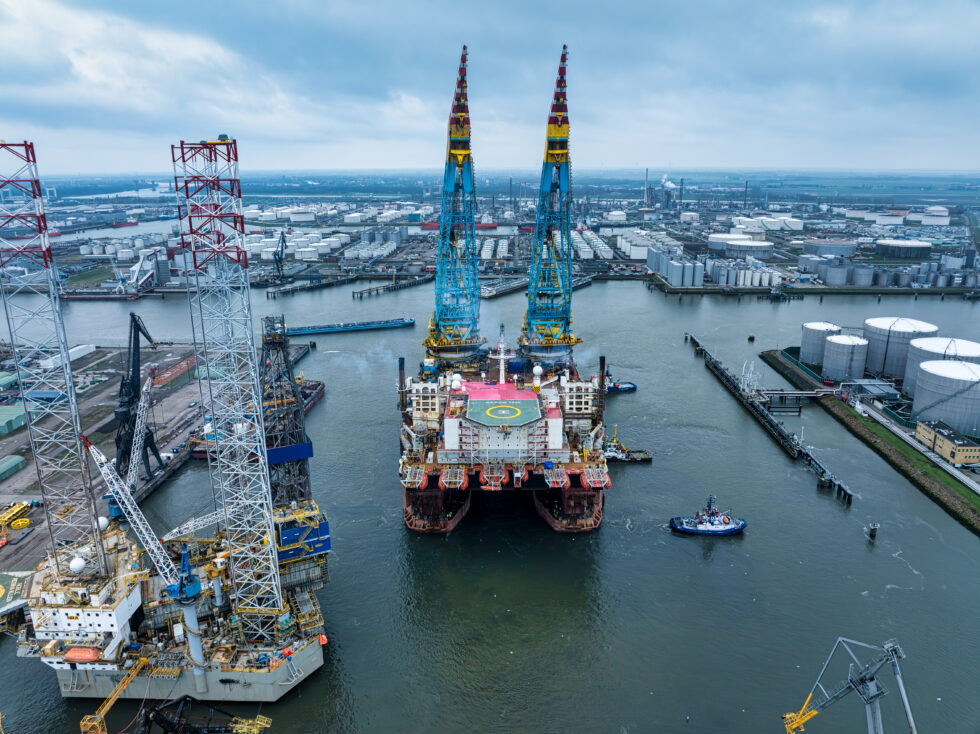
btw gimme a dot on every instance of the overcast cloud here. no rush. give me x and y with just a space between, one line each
108 85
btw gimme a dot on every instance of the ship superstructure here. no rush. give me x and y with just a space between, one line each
117 612
513 420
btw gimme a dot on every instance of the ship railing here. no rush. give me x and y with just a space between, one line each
595 476
556 477
412 477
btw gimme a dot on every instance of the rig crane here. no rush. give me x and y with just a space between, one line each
182 585
279 256
129 391
862 678
454 331
40 351
547 330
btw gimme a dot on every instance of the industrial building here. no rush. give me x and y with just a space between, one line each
947 442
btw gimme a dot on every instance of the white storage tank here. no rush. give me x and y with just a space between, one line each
949 391
844 357
125 255
936 348
862 276
98 249
836 275
306 253
814 340
268 253
888 342
85 250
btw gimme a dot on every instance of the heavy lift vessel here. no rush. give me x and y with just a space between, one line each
502 419
113 616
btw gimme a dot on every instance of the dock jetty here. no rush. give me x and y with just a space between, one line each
395 286
756 402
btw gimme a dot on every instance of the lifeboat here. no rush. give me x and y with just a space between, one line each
82 655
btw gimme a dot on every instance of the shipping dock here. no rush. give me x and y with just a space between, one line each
506 419
223 607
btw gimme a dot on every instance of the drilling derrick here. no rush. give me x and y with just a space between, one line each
547 333
454 331
212 230
29 284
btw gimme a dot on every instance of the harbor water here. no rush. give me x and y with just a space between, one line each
505 626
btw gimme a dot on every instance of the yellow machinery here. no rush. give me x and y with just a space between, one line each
14 512
95 724
250 726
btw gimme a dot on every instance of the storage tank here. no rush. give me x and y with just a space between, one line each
268 253
125 255
814 339
837 275
882 277
862 277
98 249
949 391
935 348
903 279
844 357
942 280
888 342
85 250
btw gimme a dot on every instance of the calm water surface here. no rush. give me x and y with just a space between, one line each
505 626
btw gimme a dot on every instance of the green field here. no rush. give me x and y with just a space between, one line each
89 278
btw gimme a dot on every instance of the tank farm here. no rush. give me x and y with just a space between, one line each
495 419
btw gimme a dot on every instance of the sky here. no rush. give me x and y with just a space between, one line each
106 86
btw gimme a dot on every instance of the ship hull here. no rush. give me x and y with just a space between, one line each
222 685
436 512
553 511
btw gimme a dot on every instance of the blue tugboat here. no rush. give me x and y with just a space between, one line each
709 521
615 386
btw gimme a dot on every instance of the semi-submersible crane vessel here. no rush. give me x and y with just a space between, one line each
478 419
113 610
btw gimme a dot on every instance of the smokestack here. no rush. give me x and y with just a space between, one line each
402 393
602 382
646 188
745 197
681 200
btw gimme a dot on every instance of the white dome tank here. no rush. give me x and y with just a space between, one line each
936 348
844 357
814 338
949 391
888 342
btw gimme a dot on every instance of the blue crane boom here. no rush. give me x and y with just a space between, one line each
547 333
454 330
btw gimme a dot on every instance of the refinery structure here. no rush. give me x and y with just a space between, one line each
503 419
227 614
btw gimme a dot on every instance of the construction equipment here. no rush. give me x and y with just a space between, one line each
546 333
181 585
861 678
95 723
40 351
213 232
279 256
454 331
129 391
176 717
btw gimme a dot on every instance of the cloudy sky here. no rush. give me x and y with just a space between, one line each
107 85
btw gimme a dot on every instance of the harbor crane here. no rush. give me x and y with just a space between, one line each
454 331
279 256
547 330
862 678
129 391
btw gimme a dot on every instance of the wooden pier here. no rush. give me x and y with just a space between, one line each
757 402
390 287
312 285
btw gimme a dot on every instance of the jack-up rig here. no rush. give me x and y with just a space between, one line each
501 419
231 616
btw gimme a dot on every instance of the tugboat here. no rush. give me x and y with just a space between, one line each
615 386
709 521
615 451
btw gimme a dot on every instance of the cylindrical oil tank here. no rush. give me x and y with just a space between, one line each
933 348
942 280
888 342
882 277
98 249
970 281
903 279
949 391
862 277
85 250
837 275
814 339
844 357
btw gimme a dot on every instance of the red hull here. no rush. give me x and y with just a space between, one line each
429 225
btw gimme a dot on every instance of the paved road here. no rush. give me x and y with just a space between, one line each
932 456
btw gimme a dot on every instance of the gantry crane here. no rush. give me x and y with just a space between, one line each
547 330
862 678
454 330
209 202
40 351
129 391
